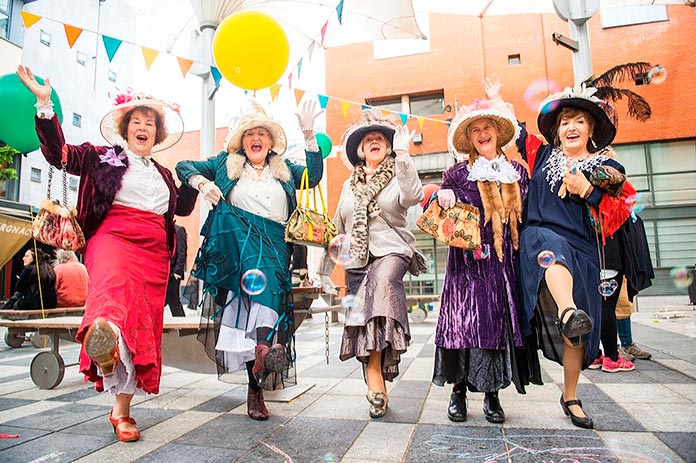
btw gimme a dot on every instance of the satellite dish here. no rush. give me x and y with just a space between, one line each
576 10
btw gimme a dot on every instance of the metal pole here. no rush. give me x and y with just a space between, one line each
207 95
582 61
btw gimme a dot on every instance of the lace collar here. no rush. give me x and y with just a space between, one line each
248 171
558 164
497 169
136 158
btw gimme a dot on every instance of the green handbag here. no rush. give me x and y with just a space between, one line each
306 225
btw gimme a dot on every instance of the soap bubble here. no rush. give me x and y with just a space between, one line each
538 90
546 258
607 287
681 277
349 301
329 458
339 250
253 282
636 203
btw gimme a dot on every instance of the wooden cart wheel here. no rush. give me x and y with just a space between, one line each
47 370
40 341
14 338
419 314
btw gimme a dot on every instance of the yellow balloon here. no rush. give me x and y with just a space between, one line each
251 50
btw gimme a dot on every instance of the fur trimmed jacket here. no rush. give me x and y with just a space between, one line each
99 181
226 168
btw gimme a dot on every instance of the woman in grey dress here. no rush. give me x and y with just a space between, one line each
372 211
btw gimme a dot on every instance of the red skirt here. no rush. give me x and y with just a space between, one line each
128 265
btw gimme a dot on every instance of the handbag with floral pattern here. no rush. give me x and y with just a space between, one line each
457 226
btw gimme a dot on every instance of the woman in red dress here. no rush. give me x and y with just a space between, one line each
126 207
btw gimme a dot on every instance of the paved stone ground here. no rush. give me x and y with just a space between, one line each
646 416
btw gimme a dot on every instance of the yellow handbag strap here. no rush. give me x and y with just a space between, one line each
304 185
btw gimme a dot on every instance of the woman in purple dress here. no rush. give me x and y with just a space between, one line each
478 328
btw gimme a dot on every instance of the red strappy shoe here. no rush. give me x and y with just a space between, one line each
124 436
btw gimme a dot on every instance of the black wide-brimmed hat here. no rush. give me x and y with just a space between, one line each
580 98
371 122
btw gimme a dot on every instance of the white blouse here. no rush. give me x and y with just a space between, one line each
497 169
143 186
261 194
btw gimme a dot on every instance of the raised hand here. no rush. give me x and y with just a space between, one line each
492 86
402 139
41 92
327 285
307 115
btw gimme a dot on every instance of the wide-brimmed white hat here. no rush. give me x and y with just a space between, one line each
256 118
128 101
457 138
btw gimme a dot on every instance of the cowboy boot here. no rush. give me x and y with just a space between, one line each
256 408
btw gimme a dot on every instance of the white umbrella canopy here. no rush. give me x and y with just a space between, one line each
302 20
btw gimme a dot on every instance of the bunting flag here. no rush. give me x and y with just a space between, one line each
323 101
345 105
404 118
275 88
299 68
298 95
111 44
310 50
149 54
217 77
29 19
420 121
386 112
323 32
290 80
71 33
339 12
184 64
363 107
437 124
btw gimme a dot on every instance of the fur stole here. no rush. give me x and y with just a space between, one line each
501 206
364 194
279 169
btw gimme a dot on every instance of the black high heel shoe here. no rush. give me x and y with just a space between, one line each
580 422
577 325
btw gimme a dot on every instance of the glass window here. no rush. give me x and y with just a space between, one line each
76 120
391 104
74 183
81 58
514 60
45 38
112 75
677 242
632 157
4 19
35 175
427 105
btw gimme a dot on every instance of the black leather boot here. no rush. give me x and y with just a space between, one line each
456 411
492 409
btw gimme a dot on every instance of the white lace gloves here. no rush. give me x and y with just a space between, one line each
492 87
446 198
307 116
402 139
327 285
209 190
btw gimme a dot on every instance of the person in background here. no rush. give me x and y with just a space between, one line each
247 321
372 209
177 270
28 294
692 287
72 280
126 209
478 328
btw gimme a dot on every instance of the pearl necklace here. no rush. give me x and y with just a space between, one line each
255 167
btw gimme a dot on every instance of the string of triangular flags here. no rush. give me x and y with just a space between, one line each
112 44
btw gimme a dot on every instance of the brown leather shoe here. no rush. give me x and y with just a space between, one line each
269 359
101 345
256 408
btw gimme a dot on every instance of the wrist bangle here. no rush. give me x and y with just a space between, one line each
308 129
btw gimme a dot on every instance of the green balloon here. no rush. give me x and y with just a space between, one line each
325 144
17 113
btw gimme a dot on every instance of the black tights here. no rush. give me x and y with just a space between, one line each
253 384
608 333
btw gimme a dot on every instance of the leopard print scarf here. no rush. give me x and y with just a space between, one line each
365 205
